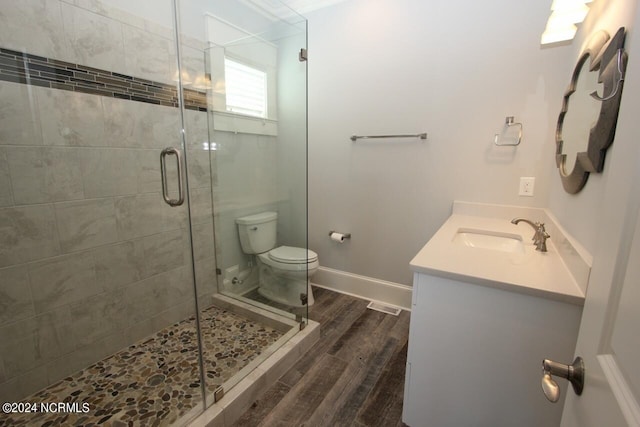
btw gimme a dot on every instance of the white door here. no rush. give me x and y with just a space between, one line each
609 338
611 349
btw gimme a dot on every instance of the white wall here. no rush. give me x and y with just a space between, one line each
450 69
581 213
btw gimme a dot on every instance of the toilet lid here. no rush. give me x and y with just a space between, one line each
291 255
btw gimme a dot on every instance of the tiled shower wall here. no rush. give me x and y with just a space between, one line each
246 176
91 258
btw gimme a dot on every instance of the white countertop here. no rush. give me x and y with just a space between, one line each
532 272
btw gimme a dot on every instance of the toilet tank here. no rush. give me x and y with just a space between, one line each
257 232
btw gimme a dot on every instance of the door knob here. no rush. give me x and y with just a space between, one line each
574 373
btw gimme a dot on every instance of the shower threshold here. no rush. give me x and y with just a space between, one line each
255 378
155 381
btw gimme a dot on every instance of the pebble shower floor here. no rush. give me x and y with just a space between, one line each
154 381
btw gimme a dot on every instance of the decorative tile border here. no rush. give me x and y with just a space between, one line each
19 67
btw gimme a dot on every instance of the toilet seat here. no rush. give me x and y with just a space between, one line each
290 258
292 255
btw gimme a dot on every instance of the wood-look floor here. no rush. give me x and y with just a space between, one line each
353 376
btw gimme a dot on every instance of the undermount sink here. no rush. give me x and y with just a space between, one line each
486 239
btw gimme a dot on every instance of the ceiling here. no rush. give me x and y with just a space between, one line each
276 7
304 6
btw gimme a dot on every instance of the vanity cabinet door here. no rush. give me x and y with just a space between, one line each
475 355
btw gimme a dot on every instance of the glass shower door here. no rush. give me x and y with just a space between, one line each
97 278
107 282
258 151
248 150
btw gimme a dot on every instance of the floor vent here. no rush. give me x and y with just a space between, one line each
384 308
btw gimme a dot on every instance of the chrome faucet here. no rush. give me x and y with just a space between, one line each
540 237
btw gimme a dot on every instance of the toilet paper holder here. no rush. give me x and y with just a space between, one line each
345 235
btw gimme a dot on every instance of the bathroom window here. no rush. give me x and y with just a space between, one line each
246 89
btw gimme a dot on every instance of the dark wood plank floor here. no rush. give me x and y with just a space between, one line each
353 376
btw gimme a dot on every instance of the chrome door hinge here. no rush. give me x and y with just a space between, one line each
302 56
218 394
301 321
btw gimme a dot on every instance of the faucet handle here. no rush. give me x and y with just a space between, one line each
541 230
539 237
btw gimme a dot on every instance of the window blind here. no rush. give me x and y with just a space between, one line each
246 89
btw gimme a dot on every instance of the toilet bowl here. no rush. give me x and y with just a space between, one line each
284 271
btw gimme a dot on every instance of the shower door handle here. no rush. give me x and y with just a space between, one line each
163 172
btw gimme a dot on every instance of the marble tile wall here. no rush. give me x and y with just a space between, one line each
246 183
96 34
88 247
91 258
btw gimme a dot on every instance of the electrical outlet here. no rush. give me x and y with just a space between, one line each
526 186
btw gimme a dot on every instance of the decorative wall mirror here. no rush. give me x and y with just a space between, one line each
587 129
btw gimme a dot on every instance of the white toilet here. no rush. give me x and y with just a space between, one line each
284 271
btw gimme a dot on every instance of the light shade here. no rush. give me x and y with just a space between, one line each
561 24
559 34
186 78
570 11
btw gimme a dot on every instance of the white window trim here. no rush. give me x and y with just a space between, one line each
220 38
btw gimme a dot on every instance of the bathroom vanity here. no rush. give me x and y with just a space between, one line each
487 309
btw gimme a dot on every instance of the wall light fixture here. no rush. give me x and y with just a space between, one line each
565 14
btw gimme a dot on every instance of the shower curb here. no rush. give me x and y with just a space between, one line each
240 398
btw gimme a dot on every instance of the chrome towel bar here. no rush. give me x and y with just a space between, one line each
419 135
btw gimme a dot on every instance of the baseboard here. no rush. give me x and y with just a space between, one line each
368 288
